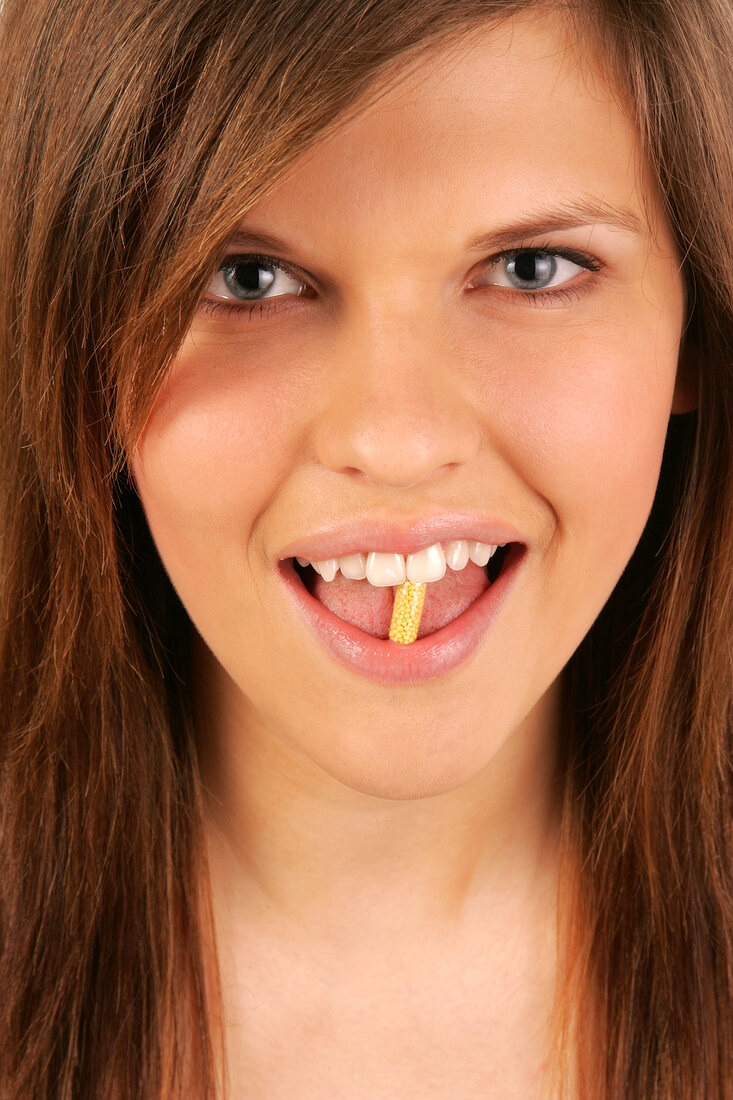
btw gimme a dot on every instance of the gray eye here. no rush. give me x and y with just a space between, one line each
250 280
531 270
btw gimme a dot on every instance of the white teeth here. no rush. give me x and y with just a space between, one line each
385 569
456 554
353 566
480 552
426 565
328 568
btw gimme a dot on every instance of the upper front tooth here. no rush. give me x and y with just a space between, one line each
353 566
327 568
456 554
382 569
426 565
480 552
385 569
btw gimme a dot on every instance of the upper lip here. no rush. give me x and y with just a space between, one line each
362 534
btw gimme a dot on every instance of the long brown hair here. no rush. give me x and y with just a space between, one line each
135 135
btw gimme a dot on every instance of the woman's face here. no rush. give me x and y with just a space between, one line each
396 370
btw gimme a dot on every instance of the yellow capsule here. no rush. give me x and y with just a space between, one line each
408 600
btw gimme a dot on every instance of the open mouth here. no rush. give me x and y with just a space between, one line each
369 607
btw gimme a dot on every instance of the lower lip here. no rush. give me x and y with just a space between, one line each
389 662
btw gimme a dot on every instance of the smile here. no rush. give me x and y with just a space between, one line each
350 617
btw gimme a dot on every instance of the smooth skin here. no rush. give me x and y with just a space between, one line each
384 858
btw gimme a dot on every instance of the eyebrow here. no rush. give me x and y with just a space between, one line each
570 215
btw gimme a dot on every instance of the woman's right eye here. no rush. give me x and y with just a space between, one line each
251 279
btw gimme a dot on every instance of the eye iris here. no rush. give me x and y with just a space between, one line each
532 269
247 280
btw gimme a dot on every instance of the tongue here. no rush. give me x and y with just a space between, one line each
370 608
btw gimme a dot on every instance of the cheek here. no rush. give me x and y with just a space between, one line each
598 442
599 419
596 415
209 460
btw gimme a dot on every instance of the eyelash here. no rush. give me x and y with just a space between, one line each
552 296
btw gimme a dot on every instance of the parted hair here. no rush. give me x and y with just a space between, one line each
135 135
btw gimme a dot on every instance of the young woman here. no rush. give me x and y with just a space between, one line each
298 297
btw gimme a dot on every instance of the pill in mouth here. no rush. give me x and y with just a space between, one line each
372 609
409 598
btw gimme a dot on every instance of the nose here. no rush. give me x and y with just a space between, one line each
398 409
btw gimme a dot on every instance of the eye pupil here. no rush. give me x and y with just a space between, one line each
248 279
532 269
525 266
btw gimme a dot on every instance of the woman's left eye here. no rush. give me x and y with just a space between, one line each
532 269
251 279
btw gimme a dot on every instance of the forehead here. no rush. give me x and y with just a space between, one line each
509 117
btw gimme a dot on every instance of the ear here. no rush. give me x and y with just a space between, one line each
685 398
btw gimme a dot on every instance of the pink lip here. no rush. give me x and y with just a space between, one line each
389 663
398 537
